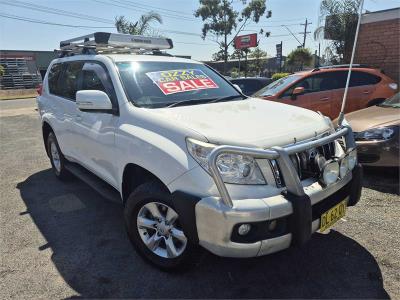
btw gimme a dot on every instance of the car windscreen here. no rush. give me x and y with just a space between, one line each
277 86
154 84
393 101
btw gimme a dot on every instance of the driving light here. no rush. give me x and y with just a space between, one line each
330 172
234 168
244 229
352 159
344 167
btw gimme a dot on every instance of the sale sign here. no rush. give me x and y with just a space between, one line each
178 81
246 41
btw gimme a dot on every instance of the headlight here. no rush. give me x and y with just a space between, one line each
379 133
344 167
352 159
330 172
234 168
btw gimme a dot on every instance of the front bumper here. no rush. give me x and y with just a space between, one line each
379 153
217 224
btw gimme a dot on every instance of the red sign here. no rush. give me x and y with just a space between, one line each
246 41
178 81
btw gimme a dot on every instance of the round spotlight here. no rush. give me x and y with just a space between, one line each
244 229
344 167
330 172
352 159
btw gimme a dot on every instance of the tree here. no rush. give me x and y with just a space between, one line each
217 56
258 63
298 58
221 20
2 71
140 27
340 30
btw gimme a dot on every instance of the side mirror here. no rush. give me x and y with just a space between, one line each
238 88
93 100
297 91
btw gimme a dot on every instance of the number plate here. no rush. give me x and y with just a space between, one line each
333 215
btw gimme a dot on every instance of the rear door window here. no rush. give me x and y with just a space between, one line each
52 78
359 78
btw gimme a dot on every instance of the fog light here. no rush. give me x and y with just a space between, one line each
330 172
344 167
352 159
244 229
272 225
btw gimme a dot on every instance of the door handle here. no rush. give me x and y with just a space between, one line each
324 99
366 92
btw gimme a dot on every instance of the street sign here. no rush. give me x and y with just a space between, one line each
246 41
279 50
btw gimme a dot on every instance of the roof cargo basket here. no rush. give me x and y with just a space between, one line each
105 42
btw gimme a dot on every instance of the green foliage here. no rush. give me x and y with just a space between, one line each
277 76
220 19
140 27
2 71
257 65
299 57
343 27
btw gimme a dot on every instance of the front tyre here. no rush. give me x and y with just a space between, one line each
154 228
56 157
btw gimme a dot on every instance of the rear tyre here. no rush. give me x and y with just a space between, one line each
154 229
57 159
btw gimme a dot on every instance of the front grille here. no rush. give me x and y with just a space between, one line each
307 164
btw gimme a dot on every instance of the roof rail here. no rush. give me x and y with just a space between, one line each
105 42
341 66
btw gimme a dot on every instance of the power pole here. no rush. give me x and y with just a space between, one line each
305 32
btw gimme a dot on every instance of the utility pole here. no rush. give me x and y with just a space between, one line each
305 32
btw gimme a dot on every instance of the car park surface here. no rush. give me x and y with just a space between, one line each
63 240
322 89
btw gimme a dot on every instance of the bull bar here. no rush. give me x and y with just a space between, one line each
281 154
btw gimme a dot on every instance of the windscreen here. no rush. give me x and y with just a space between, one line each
277 86
159 84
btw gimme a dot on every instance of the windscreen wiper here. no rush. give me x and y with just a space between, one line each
206 100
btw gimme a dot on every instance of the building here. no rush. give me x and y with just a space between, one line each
24 69
379 41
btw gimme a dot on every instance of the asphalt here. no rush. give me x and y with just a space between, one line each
63 240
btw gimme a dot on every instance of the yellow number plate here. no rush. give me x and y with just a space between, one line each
333 215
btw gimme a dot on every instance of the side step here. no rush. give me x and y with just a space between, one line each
100 186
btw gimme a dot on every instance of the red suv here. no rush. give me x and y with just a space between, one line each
322 89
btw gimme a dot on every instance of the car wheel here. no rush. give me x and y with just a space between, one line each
56 157
154 227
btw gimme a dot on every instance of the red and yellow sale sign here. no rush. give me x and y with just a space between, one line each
178 81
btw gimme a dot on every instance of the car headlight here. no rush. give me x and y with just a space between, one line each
379 133
234 168
330 172
352 159
344 167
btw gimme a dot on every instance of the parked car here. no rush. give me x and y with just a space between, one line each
376 131
250 85
183 151
322 89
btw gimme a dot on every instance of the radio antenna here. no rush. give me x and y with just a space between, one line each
341 114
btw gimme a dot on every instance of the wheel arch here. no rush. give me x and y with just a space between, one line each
46 129
375 101
135 175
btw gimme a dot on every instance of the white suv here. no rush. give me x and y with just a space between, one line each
194 161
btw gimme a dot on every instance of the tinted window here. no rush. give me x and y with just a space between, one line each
68 81
52 78
95 77
159 84
248 87
320 82
361 78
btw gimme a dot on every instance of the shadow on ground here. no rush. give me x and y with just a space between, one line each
385 180
93 255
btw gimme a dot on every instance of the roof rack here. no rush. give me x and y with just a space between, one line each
105 42
341 66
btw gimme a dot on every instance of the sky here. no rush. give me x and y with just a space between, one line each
179 24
